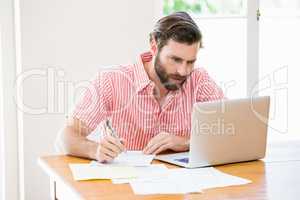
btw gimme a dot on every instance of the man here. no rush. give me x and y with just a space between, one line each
149 102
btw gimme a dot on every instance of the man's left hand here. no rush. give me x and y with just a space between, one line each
164 141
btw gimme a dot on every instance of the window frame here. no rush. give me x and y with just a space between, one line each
2 159
11 176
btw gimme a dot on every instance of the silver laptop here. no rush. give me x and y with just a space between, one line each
224 132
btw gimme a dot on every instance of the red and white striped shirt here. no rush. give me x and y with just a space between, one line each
125 95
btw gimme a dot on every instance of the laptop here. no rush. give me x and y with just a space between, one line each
225 131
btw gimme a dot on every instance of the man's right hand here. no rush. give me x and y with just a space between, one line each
109 148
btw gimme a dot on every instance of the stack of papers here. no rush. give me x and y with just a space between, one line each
135 168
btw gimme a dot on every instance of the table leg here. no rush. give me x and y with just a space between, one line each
52 189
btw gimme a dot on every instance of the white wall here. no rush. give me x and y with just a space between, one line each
2 172
77 37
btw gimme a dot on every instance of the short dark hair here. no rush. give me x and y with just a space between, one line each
178 26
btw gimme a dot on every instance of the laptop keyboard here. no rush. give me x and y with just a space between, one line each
184 160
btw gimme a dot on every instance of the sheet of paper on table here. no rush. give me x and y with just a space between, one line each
181 180
129 158
145 173
89 172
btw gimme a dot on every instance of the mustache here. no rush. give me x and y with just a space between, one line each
177 77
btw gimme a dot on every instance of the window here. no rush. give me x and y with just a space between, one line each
206 7
279 63
244 52
224 28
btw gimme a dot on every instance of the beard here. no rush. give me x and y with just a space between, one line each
165 78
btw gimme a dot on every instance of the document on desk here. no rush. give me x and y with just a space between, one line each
145 173
163 186
89 172
129 158
214 178
185 181
171 183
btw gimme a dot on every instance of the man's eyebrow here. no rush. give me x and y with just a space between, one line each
176 57
179 58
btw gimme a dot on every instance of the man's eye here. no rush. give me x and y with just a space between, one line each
177 60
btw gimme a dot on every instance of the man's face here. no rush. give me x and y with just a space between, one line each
174 62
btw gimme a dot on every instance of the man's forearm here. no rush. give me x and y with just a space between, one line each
76 144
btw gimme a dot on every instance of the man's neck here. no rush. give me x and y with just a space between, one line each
160 91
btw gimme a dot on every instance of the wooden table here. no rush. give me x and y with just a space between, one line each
279 179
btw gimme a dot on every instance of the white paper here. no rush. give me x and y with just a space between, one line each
182 181
215 178
129 158
164 186
89 172
145 173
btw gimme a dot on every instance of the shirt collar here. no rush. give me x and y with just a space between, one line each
141 77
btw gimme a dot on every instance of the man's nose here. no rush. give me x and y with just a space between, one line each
183 70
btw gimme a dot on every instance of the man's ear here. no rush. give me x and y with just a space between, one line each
153 46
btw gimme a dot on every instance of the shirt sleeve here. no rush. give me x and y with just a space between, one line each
95 104
207 89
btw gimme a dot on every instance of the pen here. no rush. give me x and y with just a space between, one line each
111 130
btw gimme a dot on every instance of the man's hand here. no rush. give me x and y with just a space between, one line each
164 141
109 148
